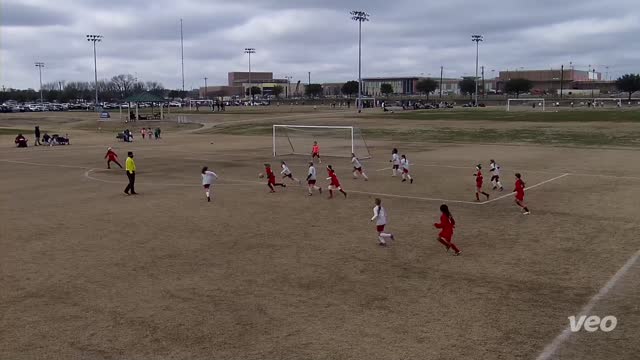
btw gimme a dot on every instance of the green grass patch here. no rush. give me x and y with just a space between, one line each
515 116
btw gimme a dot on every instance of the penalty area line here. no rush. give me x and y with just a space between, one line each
527 188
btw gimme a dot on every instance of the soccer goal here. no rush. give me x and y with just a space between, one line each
525 104
607 102
339 141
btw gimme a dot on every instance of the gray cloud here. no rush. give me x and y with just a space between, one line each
404 37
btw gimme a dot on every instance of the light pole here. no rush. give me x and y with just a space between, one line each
250 51
40 65
441 74
359 16
286 95
205 88
477 39
95 39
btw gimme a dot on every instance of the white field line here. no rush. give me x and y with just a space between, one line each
550 350
527 188
88 175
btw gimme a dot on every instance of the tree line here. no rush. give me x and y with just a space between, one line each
115 89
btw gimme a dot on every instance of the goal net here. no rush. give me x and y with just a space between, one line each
526 104
607 102
339 141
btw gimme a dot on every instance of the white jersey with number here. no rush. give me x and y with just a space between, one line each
208 177
495 169
356 163
379 215
395 159
312 173
285 170
404 163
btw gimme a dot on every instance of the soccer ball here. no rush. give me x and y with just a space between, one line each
260 175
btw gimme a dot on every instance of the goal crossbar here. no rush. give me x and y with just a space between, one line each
524 100
351 135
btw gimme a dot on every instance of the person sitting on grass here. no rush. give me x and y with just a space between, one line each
21 141
46 139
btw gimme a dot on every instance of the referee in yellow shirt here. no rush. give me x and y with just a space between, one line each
130 165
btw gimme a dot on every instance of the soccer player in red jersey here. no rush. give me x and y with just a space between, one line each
271 178
447 223
334 182
315 152
519 190
112 157
479 181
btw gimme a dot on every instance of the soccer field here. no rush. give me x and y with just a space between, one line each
88 272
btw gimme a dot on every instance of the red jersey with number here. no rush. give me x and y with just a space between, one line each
446 224
334 179
270 174
519 189
316 149
111 155
479 179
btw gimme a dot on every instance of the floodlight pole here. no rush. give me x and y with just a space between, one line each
205 88
95 39
441 74
359 16
250 51
40 65
477 39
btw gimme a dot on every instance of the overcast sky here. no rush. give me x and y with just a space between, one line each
404 37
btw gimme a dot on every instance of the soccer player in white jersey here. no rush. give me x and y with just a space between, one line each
286 173
380 217
208 177
404 164
395 161
495 175
312 177
357 167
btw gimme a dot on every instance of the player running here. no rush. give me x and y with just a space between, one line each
112 157
271 178
286 173
404 164
357 168
208 177
447 224
495 175
479 182
315 152
395 161
334 182
312 178
519 190
380 217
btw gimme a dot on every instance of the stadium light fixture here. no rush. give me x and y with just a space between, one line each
360 17
95 38
250 51
477 39
40 65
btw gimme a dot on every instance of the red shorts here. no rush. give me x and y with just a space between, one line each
272 181
380 228
311 182
520 196
315 154
405 171
445 236
479 187
206 186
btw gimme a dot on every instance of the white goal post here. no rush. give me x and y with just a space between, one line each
602 101
535 100
339 141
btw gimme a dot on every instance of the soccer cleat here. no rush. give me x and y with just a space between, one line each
526 213
127 193
393 237
404 180
320 190
458 253
412 181
501 188
208 199
495 187
134 193
382 244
